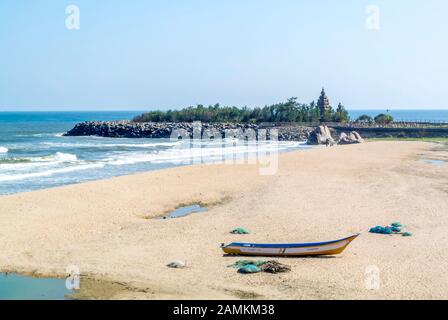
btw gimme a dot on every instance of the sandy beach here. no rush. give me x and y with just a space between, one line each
106 228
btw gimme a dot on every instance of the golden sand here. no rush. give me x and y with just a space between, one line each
105 227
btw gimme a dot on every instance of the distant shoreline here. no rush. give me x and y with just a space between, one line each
398 114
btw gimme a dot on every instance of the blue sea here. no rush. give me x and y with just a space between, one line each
405 115
34 154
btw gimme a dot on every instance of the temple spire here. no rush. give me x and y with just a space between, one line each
323 103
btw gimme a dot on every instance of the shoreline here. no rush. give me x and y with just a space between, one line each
103 229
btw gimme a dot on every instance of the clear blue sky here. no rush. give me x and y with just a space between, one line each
144 54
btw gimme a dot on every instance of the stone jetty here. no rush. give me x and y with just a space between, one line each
286 132
129 129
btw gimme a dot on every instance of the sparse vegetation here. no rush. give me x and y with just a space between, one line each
289 111
384 119
364 119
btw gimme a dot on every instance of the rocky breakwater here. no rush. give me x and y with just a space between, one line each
292 132
129 129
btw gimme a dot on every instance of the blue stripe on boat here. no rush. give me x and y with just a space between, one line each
290 245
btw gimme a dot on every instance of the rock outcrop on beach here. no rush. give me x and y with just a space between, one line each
352 138
321 135
129 129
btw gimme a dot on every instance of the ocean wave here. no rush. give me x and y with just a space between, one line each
3 150
47 173
14 160
178 145
57 157
40 135
65 157
59 134
102 145
195 153
36 162
16 169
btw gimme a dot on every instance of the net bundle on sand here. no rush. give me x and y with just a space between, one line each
274 267
255 266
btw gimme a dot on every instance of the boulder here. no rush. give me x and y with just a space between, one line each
353 138
320 135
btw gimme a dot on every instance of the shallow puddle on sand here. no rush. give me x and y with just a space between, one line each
434 162
184 211
17 287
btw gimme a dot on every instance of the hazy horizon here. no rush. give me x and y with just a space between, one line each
172 54
155 109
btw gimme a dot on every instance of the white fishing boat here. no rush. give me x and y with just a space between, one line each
290 249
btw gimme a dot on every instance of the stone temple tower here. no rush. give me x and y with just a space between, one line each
323 103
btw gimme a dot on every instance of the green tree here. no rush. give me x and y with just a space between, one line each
364 118
341 114
289 111
328 116
384 119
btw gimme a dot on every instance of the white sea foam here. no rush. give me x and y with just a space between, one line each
36 162
212 153
47 173
179 152
59 134
57 157
64 157
111 145
3 150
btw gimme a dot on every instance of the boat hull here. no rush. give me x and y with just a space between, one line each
289 250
